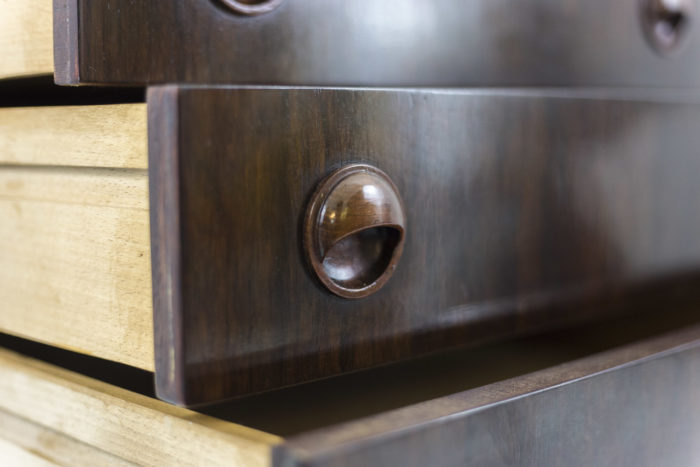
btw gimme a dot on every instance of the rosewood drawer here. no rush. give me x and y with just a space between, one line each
379 43
523 210
522 403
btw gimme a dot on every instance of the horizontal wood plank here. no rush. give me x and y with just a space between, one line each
128 425
24 443
75 266
26 38
90 136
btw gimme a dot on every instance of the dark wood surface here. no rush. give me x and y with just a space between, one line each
526 210
368 42
636 405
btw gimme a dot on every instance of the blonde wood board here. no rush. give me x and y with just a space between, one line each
26 38
128 425
25 443
87 136
75 269
13 455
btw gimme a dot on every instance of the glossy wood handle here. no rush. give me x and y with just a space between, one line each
252 8
354 230
666 23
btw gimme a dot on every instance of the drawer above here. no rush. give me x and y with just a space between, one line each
379 43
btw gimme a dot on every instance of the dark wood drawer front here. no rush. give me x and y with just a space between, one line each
634 405
523 210
370 42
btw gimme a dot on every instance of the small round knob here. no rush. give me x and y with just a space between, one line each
354 230
252 7
666 23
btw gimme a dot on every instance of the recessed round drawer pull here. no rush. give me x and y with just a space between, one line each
252 7
666 23
354 230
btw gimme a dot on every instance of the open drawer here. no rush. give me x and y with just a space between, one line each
521 210
636 404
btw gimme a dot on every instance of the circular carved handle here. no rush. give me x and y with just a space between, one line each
354 230
666 23
252 7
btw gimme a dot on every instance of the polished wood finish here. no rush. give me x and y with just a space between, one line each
254 7
366 42
635 405
527 209
84 136
74 263
127 425
354 230
26 38
667 23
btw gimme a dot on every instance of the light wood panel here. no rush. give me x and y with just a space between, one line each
91 136
26 38
128 425
14 455
75 261
24 443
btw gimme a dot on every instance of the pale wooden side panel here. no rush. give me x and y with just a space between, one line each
75 260
13 455
24 443
128 425
26 38
89 136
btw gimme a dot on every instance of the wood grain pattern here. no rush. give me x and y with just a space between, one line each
91 136
22 443
635 405
527 210
354 230
13 455
74 267
127 425
26 38
366 43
